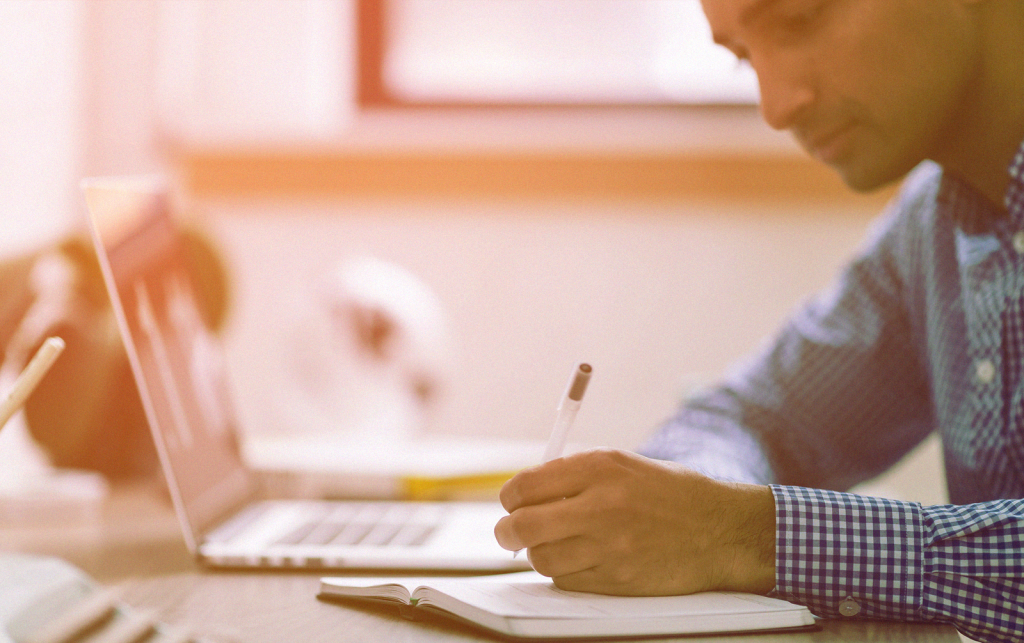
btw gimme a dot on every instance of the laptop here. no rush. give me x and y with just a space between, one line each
179 368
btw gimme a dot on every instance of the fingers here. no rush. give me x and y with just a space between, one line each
562 477
586 580
565 557
507 535
536 524
612 522
597 580
558 499
541 484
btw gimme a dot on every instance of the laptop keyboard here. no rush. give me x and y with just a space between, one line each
370 524
449 536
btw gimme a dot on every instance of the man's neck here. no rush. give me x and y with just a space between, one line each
987 140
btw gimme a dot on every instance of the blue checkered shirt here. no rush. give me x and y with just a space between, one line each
923 331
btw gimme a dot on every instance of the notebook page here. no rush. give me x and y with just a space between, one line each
530 595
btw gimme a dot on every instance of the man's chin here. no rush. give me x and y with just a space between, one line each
867 179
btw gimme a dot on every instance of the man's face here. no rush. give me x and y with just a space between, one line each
869 87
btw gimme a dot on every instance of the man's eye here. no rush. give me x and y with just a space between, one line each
803 19
796 21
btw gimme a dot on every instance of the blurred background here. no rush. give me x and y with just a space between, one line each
505 186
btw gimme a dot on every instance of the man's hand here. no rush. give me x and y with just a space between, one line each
614 522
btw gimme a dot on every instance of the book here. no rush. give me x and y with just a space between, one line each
528 605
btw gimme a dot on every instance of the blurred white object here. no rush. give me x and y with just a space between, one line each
370 354
390 316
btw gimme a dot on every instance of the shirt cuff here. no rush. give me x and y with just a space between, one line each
845 555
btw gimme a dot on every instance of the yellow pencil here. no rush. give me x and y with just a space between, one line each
30 377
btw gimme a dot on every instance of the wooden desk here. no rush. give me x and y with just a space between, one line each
134 534
138 548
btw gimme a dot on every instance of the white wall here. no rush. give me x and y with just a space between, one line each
656 297
121 127
41 108
93 87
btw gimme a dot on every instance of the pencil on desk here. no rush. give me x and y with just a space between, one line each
30 378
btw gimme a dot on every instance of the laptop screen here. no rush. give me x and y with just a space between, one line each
177 362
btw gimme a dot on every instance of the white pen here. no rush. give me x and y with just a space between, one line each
30 377
567 410
566 414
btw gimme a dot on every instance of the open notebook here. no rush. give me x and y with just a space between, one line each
528 605
179 367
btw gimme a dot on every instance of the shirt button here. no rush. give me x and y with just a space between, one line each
1018 242
985 370
849 607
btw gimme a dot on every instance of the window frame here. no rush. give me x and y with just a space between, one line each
372 93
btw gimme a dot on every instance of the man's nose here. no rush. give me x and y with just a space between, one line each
786 92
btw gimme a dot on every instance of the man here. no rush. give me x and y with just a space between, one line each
923 332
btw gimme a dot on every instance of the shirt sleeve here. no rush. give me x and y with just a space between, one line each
845 555
837 396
